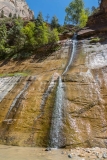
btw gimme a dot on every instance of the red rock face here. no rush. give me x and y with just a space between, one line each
103 5
99 19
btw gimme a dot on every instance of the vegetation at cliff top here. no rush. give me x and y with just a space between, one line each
20 39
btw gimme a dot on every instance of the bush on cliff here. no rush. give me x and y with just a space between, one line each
95 40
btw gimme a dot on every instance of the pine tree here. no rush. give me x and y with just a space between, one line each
54 22
10 14
15 16
39 19
47 18
2 14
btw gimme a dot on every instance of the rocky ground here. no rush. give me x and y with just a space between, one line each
16 153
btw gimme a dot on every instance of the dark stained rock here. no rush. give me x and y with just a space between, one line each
65 36
69 156
90 31
48 149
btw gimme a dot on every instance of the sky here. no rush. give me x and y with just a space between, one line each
55 7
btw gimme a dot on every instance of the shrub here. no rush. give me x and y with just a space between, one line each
95 40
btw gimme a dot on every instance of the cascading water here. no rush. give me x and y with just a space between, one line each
72 54
56 137
56 124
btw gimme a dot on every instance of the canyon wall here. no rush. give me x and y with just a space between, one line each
99 19
26 108
30 91
18 7
103 6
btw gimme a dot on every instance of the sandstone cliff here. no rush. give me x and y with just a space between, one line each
29 90
27 104
99 18
103 6
18 7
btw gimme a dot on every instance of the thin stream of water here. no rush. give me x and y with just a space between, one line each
56 137
72 54
57 117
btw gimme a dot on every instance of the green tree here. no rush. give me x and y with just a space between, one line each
53 36
10 14
41 34
39 19
2 14
94 10
54 22
3 41
19 16
47 18
83 18
16 39
15 16
29 32
87 11
73 12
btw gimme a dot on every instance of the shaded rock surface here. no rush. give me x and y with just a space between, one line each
103 6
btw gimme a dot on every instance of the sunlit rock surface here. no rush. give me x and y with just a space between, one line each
6 85
27 109
18 7
86 97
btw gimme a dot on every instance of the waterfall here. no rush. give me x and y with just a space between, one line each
56 137
72 54
56 124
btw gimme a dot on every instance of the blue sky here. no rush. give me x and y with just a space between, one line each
55 7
